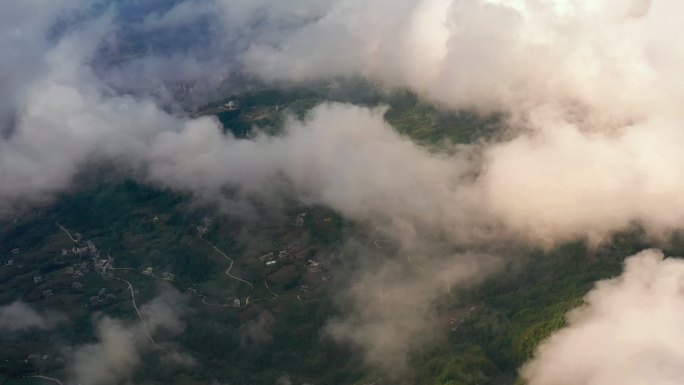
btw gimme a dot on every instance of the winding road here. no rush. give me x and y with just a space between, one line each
52 379
251 286
377 243
204 299
408 258
137 311
67 233
275 296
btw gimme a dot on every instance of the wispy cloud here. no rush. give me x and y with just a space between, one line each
20 316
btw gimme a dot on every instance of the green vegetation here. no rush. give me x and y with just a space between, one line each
519 308
142 227
426 124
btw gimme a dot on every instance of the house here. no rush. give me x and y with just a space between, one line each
282 253
77 285
101 264
37 278
236 302
32 357
81 250
266 257
148 271
167 276
16 251
91 247
9 262
271 263
48 293
64 252
314 266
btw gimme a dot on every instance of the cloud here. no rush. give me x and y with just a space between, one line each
256 331
590 91
121 345
627 332
331 158
391 307
589 104
591 87
113 359
19 316
483 54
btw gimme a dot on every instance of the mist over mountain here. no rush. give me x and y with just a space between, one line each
586 96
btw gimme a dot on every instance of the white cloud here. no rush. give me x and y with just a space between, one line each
120 348
19 316
628 332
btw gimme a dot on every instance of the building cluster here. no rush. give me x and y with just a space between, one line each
87 250
11 261
203 227
313 265
90 259
33 357
270 258
232 105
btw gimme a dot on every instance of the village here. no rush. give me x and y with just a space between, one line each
74 274
85 259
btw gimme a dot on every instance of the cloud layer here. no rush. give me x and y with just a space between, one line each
590 91
591 88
